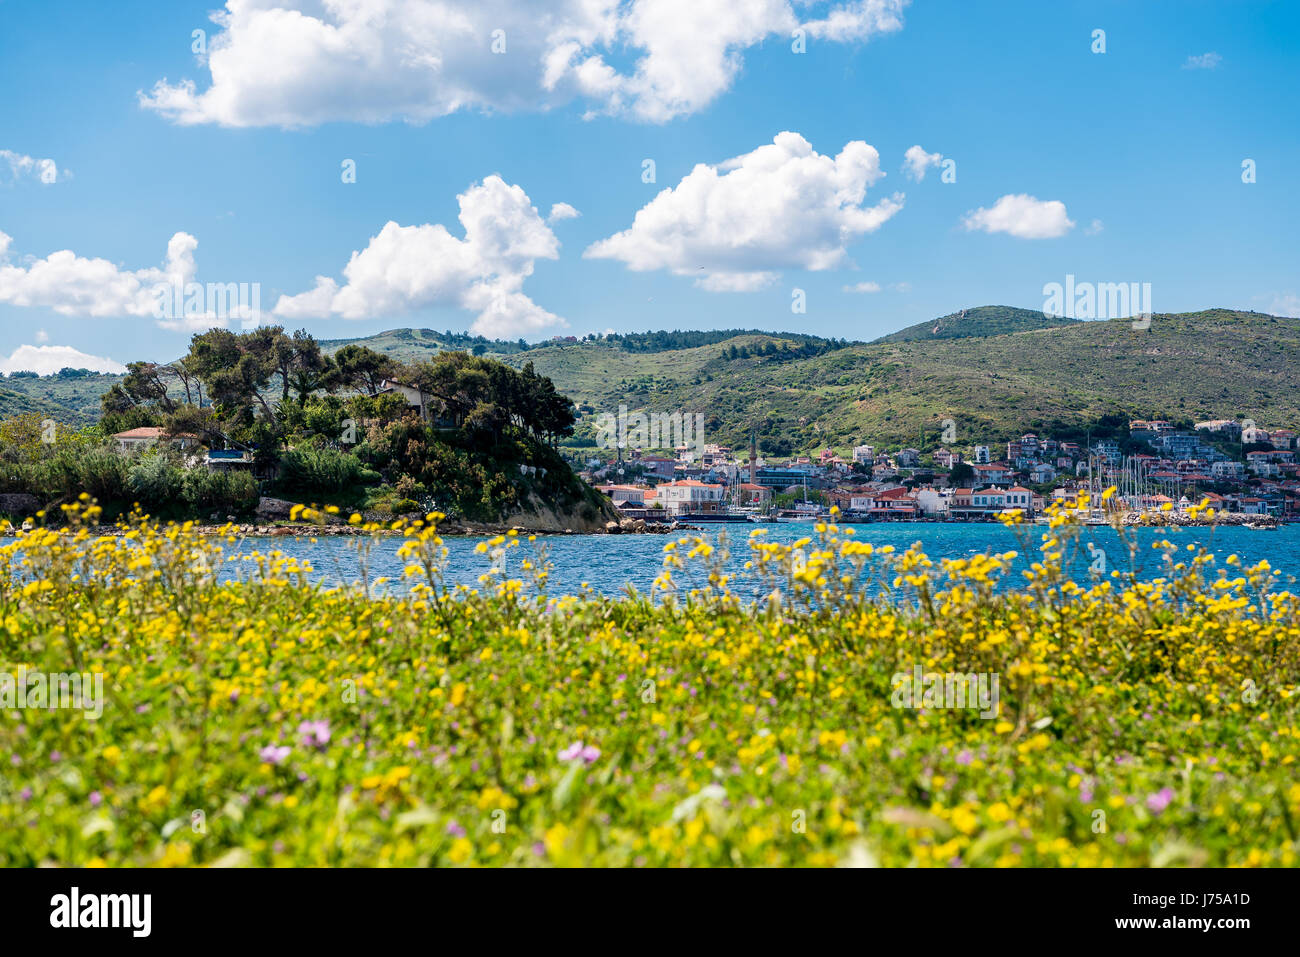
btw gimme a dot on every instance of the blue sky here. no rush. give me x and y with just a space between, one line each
1133 159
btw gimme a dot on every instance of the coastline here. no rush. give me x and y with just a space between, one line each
464 529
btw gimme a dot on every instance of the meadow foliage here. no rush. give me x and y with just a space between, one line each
253 717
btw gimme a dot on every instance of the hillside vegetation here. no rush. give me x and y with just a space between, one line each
1217 363
980 321
997 371
70 399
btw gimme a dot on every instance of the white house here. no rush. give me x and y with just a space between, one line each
1227 471
147 436
1042 473
934 502
629 495
689 495
416 399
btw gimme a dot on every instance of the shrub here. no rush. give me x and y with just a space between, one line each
319 470
220 491
153 481
102 473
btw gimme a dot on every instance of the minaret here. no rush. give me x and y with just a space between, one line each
753 455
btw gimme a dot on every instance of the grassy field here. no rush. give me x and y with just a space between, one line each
268 722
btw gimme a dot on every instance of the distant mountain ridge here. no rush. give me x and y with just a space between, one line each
996 371
980 321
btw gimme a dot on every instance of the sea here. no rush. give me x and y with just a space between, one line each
612 564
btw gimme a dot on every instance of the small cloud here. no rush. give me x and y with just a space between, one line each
20 165
901 287
1285 305
863 287
735 281
1206 61
562 211
195 323
42 335
916 161
1022 216
47 360
1094 227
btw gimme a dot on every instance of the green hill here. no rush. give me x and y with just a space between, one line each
980 321
1217 363
73 400
996 371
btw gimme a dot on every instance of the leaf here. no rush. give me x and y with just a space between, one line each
235 857
565 788
914 817
687 808
96 824
859 855
1179 853
422 816
990 840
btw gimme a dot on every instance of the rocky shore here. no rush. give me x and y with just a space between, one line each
273 519
1161 519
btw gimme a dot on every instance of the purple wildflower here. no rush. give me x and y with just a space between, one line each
315 734
1160 800
274 754
577 751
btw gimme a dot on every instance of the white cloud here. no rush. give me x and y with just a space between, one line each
781 206
736 281
561 211
196 322
863 287
74 286
412 267
1095 227
20 165
1023 216
46 360
1285 305
1205 61
42 335
916 161
304 62
858 20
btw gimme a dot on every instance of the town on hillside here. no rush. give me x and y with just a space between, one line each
1247 475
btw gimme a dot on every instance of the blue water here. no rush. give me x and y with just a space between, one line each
610 564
